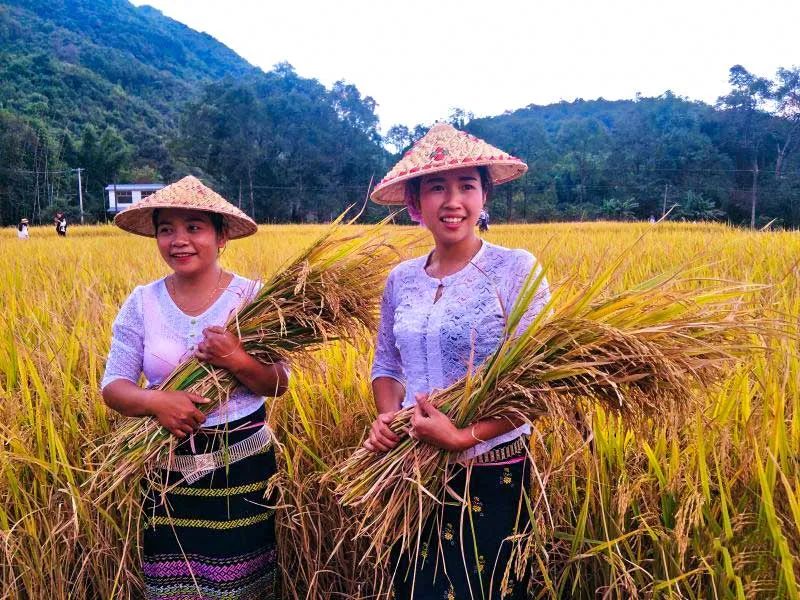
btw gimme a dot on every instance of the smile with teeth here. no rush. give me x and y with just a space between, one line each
182 254
452 219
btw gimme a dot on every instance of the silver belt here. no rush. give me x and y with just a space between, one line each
194 466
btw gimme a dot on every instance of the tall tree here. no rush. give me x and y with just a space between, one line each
743 108
786 95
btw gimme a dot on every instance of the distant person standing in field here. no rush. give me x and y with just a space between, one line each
441 315
212 535
60 222
483 221
22 230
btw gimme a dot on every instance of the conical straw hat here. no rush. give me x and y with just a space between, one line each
445 148
191 194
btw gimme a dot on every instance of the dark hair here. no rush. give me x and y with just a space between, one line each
413 186
217 220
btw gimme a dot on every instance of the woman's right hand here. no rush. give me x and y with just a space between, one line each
177 411
381 437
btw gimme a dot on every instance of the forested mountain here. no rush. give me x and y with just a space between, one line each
105 63
128 94
634 159
93 80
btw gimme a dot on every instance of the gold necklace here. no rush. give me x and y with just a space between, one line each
199 308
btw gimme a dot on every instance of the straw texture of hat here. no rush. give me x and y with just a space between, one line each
445 148
191 194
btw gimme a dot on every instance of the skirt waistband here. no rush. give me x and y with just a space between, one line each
194 466
514 449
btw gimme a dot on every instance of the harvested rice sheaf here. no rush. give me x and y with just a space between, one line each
641 354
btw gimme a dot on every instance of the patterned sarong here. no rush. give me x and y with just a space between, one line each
213 539
464 551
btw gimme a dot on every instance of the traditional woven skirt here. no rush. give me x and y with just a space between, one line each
494 510
213 538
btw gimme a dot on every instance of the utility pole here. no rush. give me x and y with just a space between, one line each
754 195
664 209
80 192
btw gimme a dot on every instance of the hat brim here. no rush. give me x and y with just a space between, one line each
394 191
139 220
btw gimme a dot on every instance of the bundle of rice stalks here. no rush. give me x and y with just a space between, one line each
641 354
329 292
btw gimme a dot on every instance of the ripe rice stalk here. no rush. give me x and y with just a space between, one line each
639 354
329 292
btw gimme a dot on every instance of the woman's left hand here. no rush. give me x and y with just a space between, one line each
432 426
220 348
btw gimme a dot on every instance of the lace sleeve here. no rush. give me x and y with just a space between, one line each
126 355
387 361
522 267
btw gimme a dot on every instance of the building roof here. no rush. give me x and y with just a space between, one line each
129 187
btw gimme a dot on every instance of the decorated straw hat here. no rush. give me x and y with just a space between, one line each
188 193
445 148
24 221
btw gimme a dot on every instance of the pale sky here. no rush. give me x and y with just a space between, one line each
419 59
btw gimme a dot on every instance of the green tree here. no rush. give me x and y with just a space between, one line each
296 150
742 109
582 143
620 210
696 207
786 95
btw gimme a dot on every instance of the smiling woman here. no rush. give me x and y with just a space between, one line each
442 315
212 535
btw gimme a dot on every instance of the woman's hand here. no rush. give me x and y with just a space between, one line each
221 348
381 437
177 411
432 426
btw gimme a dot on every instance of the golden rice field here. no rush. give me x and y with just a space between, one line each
706 507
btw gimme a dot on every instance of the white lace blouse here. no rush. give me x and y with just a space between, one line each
151 335
426 344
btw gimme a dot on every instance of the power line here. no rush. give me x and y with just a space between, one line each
35 172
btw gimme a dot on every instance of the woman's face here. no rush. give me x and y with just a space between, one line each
450 204
187 240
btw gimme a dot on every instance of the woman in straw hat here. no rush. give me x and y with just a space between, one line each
212 534
441 314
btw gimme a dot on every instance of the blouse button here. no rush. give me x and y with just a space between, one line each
194 321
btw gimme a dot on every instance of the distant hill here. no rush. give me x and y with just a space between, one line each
633 159
106 62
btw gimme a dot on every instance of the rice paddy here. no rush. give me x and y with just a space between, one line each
705 507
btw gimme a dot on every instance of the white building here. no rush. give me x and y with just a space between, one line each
122 195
